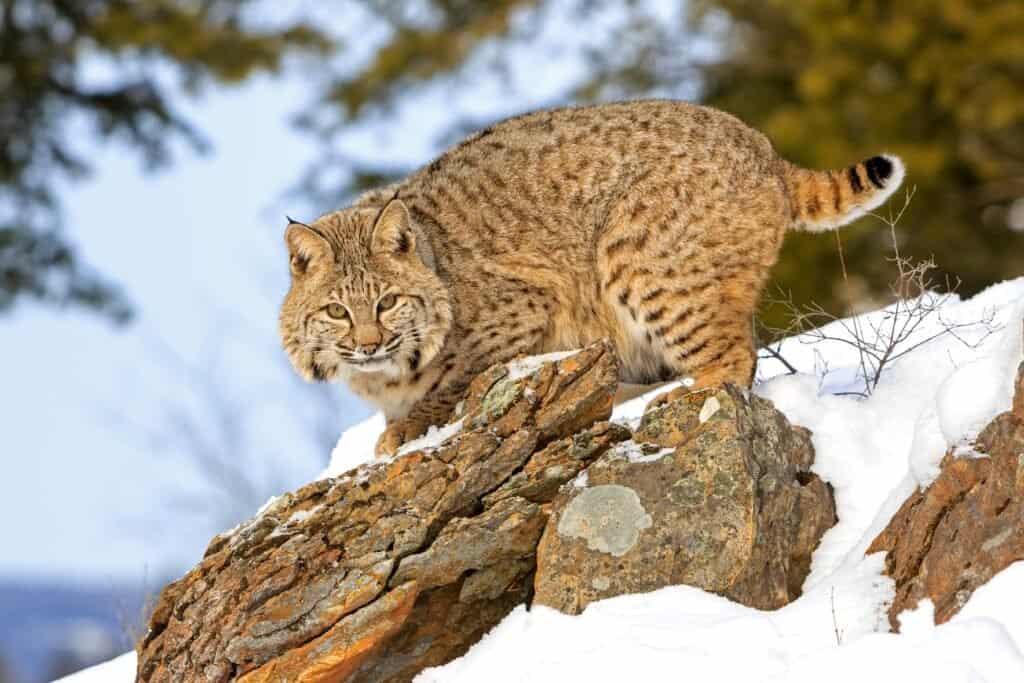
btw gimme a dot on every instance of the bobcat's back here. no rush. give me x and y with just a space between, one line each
652 223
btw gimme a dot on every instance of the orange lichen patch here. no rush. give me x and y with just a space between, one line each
337 654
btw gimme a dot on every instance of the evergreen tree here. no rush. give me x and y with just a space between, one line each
46 49
939 82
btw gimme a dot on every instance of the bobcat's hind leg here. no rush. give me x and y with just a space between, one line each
730 358
683 280
687 327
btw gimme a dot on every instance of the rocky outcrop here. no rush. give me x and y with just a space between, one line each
398 565
713 491
403 564
968 525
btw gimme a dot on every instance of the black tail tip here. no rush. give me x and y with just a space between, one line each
879 169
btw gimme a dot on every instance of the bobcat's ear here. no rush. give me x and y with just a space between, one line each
393 233
305 247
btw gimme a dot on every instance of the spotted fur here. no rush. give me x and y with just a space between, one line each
652 223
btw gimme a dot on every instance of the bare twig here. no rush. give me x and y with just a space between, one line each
835 622
842 260
821 369
777 355
887 336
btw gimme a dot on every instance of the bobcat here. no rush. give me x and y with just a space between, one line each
652 223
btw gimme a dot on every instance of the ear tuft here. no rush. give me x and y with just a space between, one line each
393 233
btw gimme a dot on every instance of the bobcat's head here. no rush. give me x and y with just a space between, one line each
364 296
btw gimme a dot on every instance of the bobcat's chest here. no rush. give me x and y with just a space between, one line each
394 397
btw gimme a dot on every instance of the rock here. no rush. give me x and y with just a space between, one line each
964 528
713 491
559 462
401 564
1018 394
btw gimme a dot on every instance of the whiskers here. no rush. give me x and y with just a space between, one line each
405 344
394 344
323 358
312 347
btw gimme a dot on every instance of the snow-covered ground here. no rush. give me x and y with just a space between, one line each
118 670
874 451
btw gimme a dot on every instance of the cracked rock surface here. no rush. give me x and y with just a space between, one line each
712 491
400 564
403 564
950 538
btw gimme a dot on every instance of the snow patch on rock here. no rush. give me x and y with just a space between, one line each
434 437
527 366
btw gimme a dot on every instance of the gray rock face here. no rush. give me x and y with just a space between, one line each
713 491
608 517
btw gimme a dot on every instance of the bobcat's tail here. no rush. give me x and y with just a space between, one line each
825 200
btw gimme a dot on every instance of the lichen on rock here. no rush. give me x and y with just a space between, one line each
721 498
404 563
608 517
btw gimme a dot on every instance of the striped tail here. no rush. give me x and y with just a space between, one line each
825 200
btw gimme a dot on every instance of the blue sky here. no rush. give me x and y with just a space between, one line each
194 246
198 247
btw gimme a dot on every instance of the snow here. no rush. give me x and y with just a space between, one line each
118 670
300 516
355 447
527 366
875 452
629 412
434 437
638 453
682 633
998 601
989 379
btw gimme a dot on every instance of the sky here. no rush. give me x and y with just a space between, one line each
99 422
194 246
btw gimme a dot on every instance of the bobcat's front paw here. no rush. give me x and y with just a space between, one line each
395 435
667 397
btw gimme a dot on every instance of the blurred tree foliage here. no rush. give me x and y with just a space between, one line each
939 82
108 68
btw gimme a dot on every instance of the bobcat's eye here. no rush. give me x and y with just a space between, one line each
387 302
336 311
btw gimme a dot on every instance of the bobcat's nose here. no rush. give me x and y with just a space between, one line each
368 349
368 339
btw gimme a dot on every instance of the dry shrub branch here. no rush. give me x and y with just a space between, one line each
914 319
